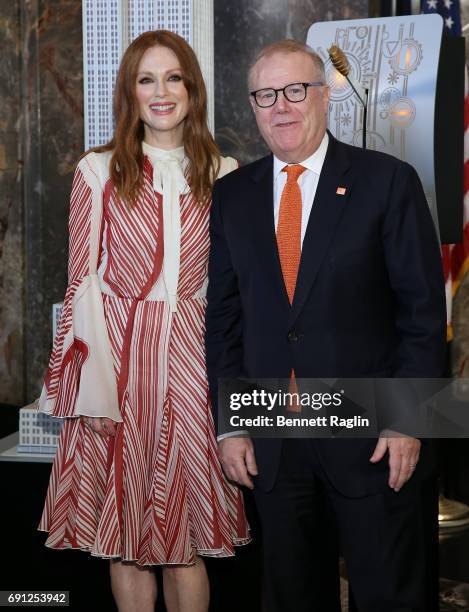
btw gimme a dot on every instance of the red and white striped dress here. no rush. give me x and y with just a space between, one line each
155 493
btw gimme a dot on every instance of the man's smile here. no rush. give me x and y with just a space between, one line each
286 124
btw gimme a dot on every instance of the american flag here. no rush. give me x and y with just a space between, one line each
455 256
450 10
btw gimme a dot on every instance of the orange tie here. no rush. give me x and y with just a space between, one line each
289 228
289 245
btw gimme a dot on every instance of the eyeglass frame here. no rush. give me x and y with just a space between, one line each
282 89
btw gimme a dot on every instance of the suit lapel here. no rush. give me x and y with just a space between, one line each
325 215
262 218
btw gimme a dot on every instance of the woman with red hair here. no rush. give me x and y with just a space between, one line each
136 478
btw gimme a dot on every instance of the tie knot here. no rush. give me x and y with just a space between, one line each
293 172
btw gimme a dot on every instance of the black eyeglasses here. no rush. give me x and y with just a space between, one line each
295 92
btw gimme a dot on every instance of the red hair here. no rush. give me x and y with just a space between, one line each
126 165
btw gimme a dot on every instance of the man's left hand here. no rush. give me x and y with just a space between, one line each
403 457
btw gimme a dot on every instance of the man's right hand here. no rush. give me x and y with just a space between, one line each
238 460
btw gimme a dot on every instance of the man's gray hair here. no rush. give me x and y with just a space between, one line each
288 45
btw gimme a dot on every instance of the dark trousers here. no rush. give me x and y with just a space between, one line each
381 538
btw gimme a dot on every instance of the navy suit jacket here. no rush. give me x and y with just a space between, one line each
369 300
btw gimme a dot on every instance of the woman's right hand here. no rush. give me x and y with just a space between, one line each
101 425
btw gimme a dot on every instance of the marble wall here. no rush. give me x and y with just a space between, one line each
242 28
41 126
39 138
52 136
11 234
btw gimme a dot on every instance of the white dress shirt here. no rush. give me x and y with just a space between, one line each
308 182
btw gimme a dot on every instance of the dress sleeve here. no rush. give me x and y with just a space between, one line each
60 388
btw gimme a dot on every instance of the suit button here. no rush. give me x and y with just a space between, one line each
292 336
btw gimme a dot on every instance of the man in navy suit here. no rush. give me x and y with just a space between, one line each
368 302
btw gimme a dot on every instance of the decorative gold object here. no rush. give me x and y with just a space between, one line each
452 513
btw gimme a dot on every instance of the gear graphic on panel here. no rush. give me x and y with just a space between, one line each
387 98
402 112
373 140
408 57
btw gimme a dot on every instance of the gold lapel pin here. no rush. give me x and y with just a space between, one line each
341 190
